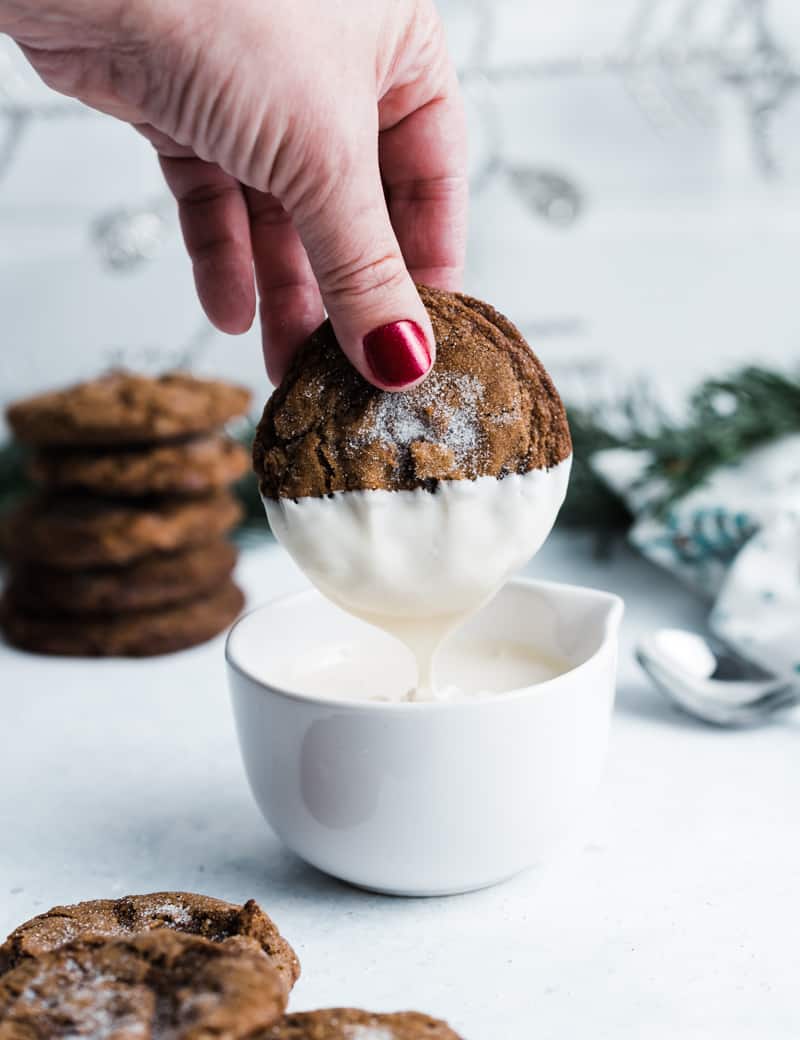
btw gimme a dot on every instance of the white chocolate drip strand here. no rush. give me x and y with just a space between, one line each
417 563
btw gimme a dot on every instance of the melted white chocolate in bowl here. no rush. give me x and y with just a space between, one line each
467 669
418 563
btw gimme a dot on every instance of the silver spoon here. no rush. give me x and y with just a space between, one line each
711 681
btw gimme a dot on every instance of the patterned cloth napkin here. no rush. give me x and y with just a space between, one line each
735 539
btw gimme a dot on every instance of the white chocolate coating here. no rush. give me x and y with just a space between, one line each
417 563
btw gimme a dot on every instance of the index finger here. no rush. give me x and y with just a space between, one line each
423 162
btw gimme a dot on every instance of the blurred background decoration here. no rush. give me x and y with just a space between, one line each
636 180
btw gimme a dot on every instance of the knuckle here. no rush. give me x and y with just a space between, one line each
60 70
312 174
199 196
209 248
269 213
354 279
424 41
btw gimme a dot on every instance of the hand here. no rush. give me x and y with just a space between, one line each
319 145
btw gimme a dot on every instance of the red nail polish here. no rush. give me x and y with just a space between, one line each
398 353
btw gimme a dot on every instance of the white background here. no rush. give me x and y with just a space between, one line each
683 261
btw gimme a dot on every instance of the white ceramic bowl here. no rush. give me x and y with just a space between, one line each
425 798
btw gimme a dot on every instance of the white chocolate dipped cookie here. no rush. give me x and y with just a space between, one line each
411 510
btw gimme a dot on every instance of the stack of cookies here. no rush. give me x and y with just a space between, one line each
170 966
122 550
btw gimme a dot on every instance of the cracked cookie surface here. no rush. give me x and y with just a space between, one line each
141 633
194 467
127 408
354 1024
73 532
155 581
487 408
183 912
160 985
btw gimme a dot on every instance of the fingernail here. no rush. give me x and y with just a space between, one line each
398 353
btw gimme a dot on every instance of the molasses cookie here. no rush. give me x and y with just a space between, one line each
487 408
73 532
182 912
158 986
156 581
136 634
126 408
192 467
352 1024
411 510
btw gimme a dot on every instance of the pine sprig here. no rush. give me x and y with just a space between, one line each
590 503
725 418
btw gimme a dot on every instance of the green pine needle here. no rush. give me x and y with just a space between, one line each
725 419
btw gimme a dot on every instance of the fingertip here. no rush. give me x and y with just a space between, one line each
398 354
386 333
380 322
228 300
236 325
288 317
276 369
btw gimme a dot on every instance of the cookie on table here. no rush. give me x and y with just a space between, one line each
193 467
74 532
126 408
156 581
352 1024
160 985
143 633
487 408
183 912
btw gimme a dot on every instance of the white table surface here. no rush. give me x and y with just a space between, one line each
677 916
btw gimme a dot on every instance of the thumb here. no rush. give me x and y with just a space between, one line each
376 313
